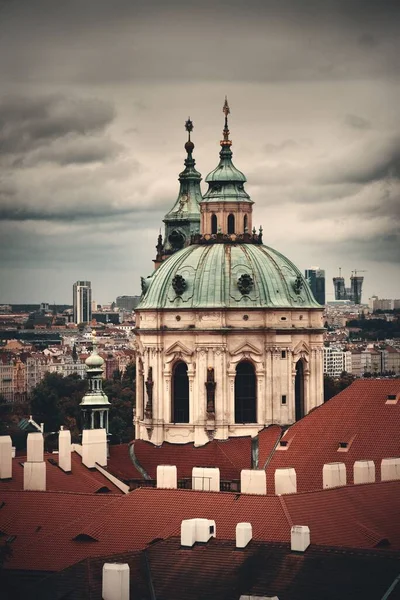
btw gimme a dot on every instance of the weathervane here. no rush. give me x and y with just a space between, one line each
227 111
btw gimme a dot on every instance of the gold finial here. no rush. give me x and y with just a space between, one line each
227 111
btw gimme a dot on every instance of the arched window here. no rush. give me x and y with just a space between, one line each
299 390
214 224
231 223
180 394
245 393
245 224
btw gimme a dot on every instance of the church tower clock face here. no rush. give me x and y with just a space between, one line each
229 335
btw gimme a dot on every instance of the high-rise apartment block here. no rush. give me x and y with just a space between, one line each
82 301
316 279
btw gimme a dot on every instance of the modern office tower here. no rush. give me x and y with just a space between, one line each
356 288
127 302
354 292
82 301
316 279
340 289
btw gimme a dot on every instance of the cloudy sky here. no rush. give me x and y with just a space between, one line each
93 99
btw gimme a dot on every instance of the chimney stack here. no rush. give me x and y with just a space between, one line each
299 538
167 477
64 450
390 469
253 481
5 457
35 467
285 481
333 475
94 447
244 534
197 530
206 479
364 471
35 447
115 581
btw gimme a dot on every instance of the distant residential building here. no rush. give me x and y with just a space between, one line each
82 302
336 361
127 302
376 303
316 279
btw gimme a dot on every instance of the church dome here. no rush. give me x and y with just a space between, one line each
226 275
94 361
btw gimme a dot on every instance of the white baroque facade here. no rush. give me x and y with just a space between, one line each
221 340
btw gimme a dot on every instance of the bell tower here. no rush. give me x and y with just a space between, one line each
183 220
226 208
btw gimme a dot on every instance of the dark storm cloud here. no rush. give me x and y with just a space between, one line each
174 41
371 162
27 123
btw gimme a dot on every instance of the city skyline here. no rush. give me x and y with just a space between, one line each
92 115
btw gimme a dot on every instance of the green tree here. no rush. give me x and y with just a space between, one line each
55 401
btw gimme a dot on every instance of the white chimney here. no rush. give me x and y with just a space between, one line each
167 477
64 450
13 451
285 481
35 467
5 457
333 475
197 530
35 447
94 447
253 481
115 581
35 476
364 471
206 479
188 532
299 538
390 469
244 534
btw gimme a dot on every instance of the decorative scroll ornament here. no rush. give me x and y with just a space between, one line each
245 283
210 388
298 284
179 284
149 383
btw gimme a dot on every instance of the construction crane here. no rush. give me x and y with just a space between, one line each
358 271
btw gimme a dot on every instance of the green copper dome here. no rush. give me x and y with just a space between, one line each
226 275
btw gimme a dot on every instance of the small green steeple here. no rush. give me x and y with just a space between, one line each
183 220
226 182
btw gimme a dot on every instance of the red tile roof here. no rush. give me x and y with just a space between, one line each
267 440
359 416
231 456
120 463
80 480
81 526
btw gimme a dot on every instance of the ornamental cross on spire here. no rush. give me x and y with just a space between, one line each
189 126
227 111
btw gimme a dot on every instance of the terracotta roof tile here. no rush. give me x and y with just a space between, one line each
80 480
359 416
356 516
231 456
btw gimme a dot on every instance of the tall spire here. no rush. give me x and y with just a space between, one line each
225 132
183 220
